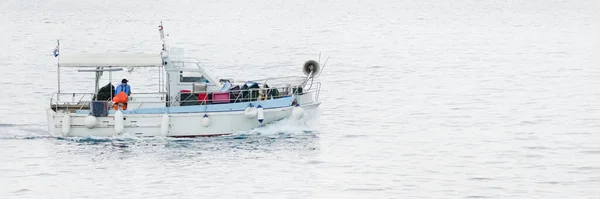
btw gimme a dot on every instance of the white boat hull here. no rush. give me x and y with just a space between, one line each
176 125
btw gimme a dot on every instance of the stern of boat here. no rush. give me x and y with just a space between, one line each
50 119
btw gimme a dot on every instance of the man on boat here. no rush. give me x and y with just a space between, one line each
122 93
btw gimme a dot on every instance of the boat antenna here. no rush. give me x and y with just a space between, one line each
164 54
319 56
321 72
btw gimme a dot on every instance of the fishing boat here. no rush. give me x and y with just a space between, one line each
189 101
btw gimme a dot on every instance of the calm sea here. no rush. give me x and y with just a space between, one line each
421 99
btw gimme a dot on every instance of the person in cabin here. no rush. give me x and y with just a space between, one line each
122 93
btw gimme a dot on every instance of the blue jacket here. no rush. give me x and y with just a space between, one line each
123 88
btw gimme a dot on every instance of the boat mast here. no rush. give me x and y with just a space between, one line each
164 54
56 51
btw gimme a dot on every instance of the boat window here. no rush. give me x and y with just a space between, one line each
186 76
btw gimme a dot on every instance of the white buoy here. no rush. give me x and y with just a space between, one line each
164 125
90 122
297 111
250 112
261 114
118 122
66 125
205 121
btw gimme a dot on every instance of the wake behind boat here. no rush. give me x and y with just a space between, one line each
190 100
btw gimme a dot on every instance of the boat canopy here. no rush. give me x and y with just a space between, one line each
110 60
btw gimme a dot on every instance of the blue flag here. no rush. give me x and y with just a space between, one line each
56 51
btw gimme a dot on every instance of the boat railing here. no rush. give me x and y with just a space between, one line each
79 101
70 101
316 90
185 60
184 63
82 101
281 80
187 98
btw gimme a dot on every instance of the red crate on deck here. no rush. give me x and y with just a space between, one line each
203 97
220 97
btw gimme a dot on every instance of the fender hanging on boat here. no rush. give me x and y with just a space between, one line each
260 114
297 111
250 112
90 121
205 121
118 122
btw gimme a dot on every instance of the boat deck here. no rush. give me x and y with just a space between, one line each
234 99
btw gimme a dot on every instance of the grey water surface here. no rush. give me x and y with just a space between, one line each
421 99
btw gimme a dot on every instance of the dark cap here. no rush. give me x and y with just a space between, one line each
124 81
